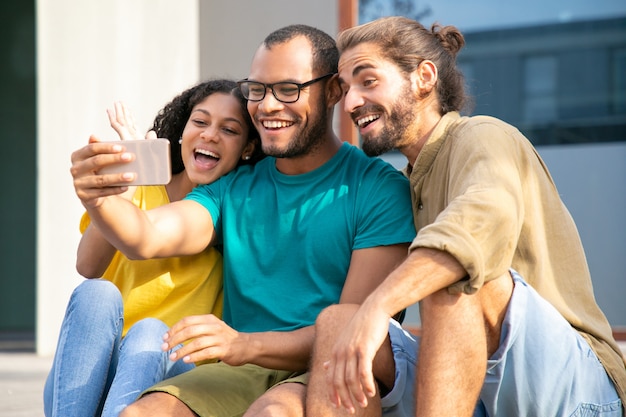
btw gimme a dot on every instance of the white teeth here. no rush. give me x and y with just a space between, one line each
275 124
367 119
207 153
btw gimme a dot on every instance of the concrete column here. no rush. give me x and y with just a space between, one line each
89 54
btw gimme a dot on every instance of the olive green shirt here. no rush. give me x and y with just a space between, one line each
482 194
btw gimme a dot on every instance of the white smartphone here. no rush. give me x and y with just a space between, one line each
151 164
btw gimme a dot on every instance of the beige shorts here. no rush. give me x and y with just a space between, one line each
221 390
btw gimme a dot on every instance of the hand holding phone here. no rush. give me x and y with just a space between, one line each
152 164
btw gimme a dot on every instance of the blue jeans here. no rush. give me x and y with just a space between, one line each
95 372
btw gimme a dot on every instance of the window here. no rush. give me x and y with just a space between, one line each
540 103
556 70
619 81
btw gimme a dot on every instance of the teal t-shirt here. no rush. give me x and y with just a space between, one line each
288 239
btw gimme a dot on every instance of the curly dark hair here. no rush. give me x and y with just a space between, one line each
171 119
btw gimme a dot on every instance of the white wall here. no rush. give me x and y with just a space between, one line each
591 179
90 53
231 31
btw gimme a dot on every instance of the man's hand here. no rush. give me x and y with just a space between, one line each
208 338
349 371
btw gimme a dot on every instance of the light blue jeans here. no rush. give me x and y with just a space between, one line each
95 372
543 367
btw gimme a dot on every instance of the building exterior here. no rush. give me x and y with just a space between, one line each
561 83
66 61
564 86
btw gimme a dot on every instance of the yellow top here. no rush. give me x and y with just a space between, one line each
167 289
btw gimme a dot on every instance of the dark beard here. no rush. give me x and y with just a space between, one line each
306 140
401 116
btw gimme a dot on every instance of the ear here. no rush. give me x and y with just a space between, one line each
424 78
248 150
333 91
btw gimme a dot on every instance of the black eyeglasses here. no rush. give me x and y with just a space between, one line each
284 91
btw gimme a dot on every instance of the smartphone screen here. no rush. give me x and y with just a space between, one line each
152 162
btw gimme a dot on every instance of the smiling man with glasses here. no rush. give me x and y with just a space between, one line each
284 91
315 223
294 120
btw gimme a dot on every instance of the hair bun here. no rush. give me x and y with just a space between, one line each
449 37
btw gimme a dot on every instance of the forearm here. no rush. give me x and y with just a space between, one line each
281 350
424 272
124 225
94 253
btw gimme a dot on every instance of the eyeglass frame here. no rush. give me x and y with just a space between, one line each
271 87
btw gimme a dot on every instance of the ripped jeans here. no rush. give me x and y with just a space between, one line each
96 372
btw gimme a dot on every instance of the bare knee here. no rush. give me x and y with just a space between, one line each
286 400
334 315
329 325
130 411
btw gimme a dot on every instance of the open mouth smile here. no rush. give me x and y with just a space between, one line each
276 124
366 120
203 155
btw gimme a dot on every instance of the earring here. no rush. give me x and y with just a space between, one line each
246 157
180 141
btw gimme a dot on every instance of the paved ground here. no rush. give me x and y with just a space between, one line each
22 377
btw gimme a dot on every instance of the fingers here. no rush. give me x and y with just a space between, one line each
87 162
350 379
339 395
96 147
366 378
91 159
199 349
88 151
122 122
194 329
182 327
341 385
355 387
